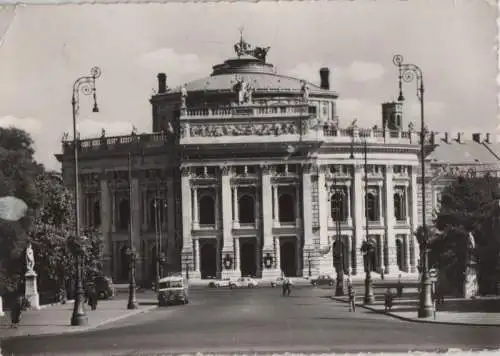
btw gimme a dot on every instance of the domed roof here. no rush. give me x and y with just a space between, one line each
253 69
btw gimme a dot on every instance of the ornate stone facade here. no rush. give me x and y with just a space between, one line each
234 184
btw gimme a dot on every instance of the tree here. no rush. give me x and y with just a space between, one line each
467 205
18 171
52 235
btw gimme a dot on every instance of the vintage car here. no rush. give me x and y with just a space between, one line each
243 282
220 283
322 279
172 290
278 282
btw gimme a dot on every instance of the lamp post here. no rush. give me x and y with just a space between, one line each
369 297
408 72
336 195
86 85
132 299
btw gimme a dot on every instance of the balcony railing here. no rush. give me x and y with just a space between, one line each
115 142
244 111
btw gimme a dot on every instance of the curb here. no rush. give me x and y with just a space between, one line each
424 321
69 301
72 329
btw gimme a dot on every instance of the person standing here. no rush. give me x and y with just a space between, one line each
352 296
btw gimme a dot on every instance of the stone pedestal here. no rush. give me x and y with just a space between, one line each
1 307
31 290
471 287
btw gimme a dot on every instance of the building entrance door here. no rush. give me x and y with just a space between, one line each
248 265
208 260
288 258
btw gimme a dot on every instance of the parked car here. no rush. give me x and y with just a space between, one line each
172 290
219 283
243 282
278 282
322 280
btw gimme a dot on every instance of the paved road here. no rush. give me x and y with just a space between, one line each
258 320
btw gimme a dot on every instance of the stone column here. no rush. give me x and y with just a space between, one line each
414 220
298 218
348 240
236 215
237 260
381 251
171 252
307 213
349 208
326 259
106 226
267 198
407 203
187 209
227 217
381 198
196 258
406 247
135 219
359 219
277 247
276 206
391 263
196 209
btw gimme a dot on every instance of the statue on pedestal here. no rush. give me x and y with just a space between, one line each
184 95
30 259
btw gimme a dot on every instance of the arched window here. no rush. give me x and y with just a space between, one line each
97 214
371 200
286 208
207 210
124 211
338 206
246 209
399 208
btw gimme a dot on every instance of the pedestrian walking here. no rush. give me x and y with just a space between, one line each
15 313
399 287
352 296
388 300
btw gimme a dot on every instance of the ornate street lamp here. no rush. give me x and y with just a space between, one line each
408 72
86 85
367 247
132 299
339 248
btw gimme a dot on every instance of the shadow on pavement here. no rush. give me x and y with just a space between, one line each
470 306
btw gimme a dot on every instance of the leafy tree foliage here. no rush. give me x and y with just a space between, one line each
49 224
18 171
468 205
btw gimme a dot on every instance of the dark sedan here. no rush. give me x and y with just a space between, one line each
322 280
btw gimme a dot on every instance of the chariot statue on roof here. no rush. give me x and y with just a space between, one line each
244 48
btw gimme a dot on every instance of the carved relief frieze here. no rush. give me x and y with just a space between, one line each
218 130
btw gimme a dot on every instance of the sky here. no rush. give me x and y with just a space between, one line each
44 49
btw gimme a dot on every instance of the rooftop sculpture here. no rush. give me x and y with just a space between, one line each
244 48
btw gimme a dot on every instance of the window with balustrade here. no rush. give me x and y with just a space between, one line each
246 209
207 210
286 208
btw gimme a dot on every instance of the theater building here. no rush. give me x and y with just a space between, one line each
250 172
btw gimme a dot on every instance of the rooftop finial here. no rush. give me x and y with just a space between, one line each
244 48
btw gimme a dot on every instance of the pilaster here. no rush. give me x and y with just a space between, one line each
268 246
136 223
323 207
187 243
414 250
390 265
228 247
171 253
307 205
359 219
106 227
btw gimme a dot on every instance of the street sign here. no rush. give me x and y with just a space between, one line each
433 273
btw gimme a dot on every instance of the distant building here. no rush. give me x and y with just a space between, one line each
246 172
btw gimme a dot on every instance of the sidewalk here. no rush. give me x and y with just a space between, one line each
454 311
56 318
